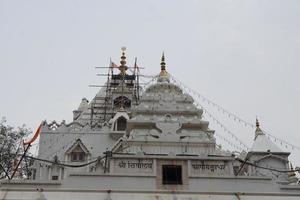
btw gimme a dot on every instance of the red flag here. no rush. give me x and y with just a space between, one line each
114 65
34 137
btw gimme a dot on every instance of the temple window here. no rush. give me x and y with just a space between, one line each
120 124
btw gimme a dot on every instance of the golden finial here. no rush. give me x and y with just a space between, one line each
163 64
123 66
163 71
258 131
257 123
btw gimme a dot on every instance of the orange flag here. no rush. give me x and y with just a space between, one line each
34 137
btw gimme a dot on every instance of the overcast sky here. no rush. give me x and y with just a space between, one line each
243 55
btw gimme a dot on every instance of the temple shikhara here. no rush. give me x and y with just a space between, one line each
133 142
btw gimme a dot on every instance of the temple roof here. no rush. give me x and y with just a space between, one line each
263 144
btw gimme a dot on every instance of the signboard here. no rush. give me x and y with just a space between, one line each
133 166
208 168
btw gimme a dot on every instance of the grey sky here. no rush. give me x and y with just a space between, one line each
244 55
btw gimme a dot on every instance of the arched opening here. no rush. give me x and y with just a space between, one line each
122 101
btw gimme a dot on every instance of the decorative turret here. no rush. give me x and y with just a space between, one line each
262 142
83 105
265 153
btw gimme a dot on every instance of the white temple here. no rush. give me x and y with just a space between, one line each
129 143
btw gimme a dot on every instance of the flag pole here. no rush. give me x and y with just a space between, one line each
27 148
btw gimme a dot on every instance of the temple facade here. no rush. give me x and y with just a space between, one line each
152 143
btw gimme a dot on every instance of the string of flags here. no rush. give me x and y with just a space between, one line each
241 146
233 116
238 148
226 130
237 144
150 82
219 108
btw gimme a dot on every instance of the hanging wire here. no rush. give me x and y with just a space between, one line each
66 165
102 157
64 146
267 168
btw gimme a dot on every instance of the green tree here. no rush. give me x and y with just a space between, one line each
11 147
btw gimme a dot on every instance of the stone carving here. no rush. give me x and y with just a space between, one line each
168 128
